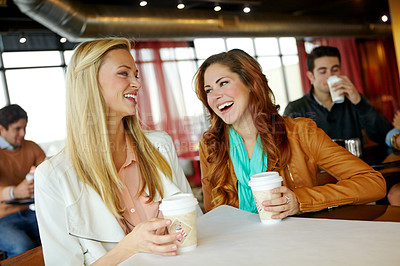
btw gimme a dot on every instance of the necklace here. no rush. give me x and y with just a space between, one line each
130 226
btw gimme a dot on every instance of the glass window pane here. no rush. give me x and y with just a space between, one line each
146 55
180 53
293 79
167 54
199 62
266 46
29 59
184 53
152 88
2 93
288 45
189 110
43 101
67 56
208 46
193 105
245 44
272 69
174 89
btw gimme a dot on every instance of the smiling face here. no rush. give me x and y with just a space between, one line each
118 79
15 133
324 67
227 95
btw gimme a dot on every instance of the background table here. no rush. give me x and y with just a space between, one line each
359 212
380 157
229 236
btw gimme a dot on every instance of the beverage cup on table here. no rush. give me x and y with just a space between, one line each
336 97
354 146
181 210
261 185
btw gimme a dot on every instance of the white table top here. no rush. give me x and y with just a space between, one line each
229 236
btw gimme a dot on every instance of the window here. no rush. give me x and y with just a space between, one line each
67 56
209 46
245 44
40 92
168 84
35 81
31 59
2 92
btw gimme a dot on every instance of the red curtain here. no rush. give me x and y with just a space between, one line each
171 120
379 66
305 82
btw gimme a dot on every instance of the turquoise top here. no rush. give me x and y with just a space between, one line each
245 168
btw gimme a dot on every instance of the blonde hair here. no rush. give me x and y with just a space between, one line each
88 143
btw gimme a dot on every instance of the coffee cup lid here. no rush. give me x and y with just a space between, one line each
333 79
178 201
266 178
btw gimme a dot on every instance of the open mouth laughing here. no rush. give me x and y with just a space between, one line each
131 96
225 106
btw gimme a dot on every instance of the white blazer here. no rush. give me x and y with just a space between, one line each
76 227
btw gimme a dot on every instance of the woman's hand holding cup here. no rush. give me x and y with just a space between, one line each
286 205
144 238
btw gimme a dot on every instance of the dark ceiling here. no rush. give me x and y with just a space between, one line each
363 12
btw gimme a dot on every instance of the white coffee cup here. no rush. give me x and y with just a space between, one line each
336 97
29 176
261 185
181 210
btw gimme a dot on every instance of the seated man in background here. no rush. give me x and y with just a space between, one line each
339 120
393 141
18 226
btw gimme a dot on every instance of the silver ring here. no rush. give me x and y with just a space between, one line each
287 199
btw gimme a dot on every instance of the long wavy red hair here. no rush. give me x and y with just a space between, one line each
267 121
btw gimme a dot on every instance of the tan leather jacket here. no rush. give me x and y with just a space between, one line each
313 151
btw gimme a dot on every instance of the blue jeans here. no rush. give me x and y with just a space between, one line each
19 232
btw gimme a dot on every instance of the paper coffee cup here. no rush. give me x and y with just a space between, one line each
336 98
261 185
29 176
181 210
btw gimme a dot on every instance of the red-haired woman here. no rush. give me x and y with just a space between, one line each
248 136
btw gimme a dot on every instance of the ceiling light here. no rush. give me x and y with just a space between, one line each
63 40
22 39
217 8
180 6
246 9
384 18
143 3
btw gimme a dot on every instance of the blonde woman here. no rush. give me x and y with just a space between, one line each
97 201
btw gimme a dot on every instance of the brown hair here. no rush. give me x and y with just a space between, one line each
321 51
267 121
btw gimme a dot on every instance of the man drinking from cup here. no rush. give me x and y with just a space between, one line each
339 119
